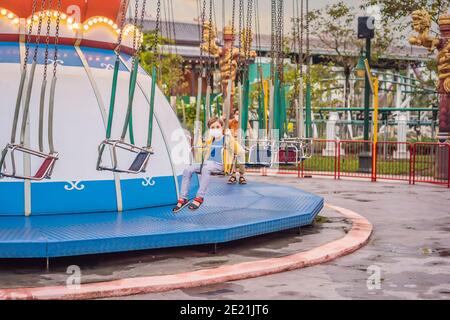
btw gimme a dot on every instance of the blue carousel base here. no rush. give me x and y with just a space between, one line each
229 213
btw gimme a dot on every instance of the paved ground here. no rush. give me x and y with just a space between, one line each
31 273
410 248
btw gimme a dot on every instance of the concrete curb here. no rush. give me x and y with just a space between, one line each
356 238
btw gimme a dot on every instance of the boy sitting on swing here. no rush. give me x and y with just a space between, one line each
218 154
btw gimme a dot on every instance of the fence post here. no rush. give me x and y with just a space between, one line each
337 160
411 162
413 169
374 162
448 168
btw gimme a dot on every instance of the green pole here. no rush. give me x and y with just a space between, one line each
113 99
245 105
367 94
203 101
276 100
308 109
152 108
283 110
261 117
129 116
261 99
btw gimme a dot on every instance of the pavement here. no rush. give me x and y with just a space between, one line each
409 251
406 258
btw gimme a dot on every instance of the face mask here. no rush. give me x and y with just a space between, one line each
216 133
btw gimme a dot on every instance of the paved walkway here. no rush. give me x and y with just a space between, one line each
410 247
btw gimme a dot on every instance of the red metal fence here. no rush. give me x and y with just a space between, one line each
409 162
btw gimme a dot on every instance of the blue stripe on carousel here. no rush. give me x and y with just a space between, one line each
89 196
9 52
150 192
66 197
67 55
154 192
101 58
12 198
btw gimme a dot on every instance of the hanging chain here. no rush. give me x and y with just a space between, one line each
301 38
38 36
158 21
308 62
121 26
137 44
210 40
233 16
280 39
47 40
273 37
58 20
249 35
30 31
202 25
135 22
241 9
258 42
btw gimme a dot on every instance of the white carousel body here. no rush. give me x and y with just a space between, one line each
82 101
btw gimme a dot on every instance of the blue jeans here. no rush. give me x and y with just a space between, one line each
208 168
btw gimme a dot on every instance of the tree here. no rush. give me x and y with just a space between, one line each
168 64
397 10
334 26
398 14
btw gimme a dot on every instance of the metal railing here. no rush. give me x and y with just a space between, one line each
409 162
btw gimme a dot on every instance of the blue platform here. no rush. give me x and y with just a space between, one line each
229 213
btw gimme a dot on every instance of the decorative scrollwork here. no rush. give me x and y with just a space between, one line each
74 185
148 182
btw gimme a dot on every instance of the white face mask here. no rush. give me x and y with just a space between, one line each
216 133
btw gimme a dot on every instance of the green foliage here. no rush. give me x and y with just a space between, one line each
395 11
169 65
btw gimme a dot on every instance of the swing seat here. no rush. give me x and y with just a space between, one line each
288 156
260 156
139 163
201 163
45 169
294 150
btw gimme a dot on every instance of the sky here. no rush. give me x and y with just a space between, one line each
186 10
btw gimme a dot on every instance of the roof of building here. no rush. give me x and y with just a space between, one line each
188 35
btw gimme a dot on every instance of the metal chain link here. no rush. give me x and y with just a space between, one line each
158 26
58 21
121 26
249 35
280 39
273 37
141 27
38 34
233 16
30 31
301 37
210 63
135 22
241 9
308 62
47 40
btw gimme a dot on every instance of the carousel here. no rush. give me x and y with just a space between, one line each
92 153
